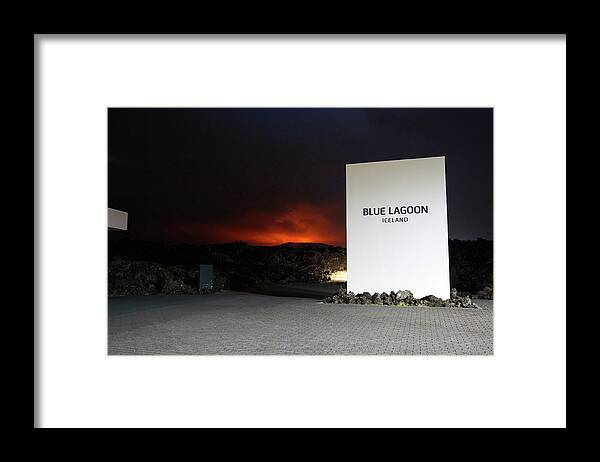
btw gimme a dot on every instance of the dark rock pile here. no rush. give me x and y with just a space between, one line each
487 293
240 266
401 298
244 266
251 266
130 277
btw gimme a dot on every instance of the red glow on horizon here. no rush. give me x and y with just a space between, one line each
303 223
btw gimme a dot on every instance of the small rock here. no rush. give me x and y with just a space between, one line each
487 293
432 300
376 299
351 298
393 298
405 296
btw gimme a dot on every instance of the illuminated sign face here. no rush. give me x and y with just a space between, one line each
397 227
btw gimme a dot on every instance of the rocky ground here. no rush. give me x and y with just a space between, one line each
401 298
133 277
145 268
141 268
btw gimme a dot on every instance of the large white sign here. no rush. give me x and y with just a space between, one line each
397 227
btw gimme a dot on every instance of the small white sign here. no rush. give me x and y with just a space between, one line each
117 219
397 227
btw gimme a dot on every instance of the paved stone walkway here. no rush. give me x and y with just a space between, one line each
236 323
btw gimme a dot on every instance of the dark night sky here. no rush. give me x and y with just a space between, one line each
268 176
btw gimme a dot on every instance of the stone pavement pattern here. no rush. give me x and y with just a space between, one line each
236 323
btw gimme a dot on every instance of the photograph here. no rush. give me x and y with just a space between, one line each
294 231
300 231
